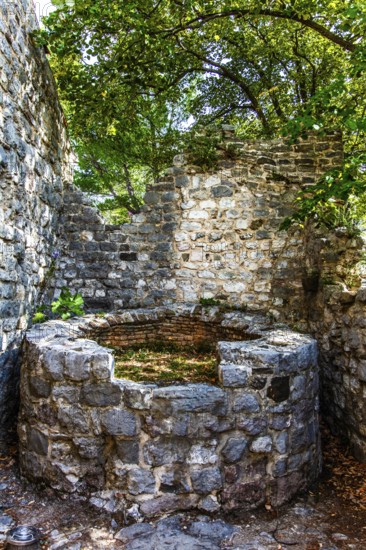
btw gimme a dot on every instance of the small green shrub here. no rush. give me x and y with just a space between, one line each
68 304
39 317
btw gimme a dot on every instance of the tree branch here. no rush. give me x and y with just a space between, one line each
201 19
225 72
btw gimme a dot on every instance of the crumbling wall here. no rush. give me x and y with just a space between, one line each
335 303
204 234
252 438
33 155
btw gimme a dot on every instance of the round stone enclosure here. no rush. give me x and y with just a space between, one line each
251 439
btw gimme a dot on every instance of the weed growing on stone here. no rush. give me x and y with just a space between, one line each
67 305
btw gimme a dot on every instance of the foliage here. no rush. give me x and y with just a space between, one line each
68 304
40 315
130 72
337 200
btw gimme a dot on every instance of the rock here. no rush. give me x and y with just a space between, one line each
246 402
77 365
38 442
221 191
209 504
215 531
128 534
252 425
281 443
119 422
207 480
73 418
234 376
204 398
102 365
101 395
243 495
261 445
339 536
39 387
168 503
128 451
166 450
53 362
234 449
6 522
140 481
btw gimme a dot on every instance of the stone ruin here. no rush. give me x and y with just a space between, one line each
251 439
200 235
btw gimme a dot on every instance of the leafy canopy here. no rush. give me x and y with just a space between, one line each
130 72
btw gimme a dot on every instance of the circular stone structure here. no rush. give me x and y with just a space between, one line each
251 439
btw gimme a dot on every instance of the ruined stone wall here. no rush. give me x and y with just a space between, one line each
204 234
250 439
33 149
335 302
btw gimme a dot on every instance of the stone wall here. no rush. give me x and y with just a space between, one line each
33 153
251 439
335 303
204 235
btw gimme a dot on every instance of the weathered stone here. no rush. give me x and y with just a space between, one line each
119 422
54 360
207 480
234 376
133 532
244 495
252 424
174 480
298 387
166 450
140 481
137 396
69 393
38 442
168 503
203 454
280 422
246 402
209 504
102 365
281 443
234 449
261 445
183 399
101 395
39 387
215 531
221 191
89 447
77 366
73 418
128 451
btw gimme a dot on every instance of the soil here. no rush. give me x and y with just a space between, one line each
332 516
166 364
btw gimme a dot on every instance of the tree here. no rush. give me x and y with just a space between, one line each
280 66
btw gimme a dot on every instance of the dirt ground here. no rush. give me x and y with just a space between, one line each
329 517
